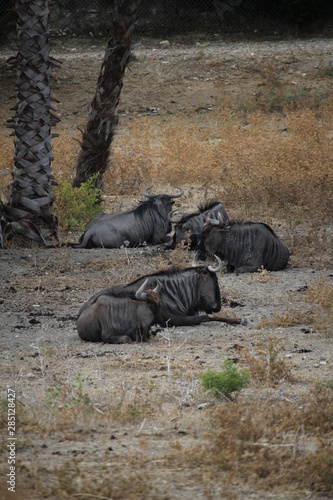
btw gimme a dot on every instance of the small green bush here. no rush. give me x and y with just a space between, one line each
75 206
229 380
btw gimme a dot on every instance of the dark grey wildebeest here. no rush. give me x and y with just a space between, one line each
147 223
245 246
189 226
121 317
183 294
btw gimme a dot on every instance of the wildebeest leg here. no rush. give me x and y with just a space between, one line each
184 320
203 318
143 334
229 321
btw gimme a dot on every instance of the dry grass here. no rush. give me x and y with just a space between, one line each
271 443
290 317
265 363
257 163
282 166
320 297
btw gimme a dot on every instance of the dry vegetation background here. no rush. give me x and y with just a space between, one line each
248 123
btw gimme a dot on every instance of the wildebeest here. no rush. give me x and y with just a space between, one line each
121 317
148 222
183 294
245 246
189 226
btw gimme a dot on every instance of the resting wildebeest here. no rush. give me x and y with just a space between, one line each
148 222
245 246
189 226
183 294
121 317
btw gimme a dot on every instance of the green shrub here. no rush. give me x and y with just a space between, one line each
229 380
75 206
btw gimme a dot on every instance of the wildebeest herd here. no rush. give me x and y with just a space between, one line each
174 297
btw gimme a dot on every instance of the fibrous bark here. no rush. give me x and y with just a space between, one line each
28 210
103 118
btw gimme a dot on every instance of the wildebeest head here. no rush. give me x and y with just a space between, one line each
163 203
189 226
210 237
148 294
120 318
210 299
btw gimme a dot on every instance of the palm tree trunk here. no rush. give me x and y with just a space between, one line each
103 119
29 207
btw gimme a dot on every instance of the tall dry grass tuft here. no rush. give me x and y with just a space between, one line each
320 297
265 363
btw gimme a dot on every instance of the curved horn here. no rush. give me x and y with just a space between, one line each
139 292
157 287
145 193
221 221
174 221
214 222
218 267
181 192
194 261
177 195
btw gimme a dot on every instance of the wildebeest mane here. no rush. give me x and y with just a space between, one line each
174 270
143 206
208 205
120 292
250 223
203 207
148 204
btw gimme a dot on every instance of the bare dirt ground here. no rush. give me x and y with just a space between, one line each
145 402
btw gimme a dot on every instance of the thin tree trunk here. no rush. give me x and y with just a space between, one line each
103 118
29 207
